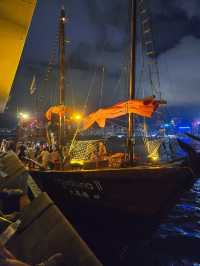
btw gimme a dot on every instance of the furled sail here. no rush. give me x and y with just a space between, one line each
144 108
15 19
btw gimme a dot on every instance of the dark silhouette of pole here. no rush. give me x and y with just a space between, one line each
62 74
132 77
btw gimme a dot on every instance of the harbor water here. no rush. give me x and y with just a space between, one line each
120 242
176 242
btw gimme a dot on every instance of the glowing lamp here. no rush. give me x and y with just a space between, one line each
154 158
24 116
77 162
77 117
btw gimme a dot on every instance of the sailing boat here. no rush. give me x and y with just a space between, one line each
145 190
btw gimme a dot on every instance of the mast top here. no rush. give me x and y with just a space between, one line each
62 14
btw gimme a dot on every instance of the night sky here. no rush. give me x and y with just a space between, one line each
98 31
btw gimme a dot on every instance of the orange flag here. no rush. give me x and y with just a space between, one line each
60 110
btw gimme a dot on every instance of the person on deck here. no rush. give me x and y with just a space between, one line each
102 153
22 152
3 147
11 146
45 156
55 158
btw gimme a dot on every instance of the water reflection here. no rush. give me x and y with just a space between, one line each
117 240
177 240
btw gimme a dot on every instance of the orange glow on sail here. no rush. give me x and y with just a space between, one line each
60 110
140 107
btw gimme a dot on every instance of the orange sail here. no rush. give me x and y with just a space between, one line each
140 107
60 110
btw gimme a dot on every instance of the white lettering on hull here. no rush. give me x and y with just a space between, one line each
80 189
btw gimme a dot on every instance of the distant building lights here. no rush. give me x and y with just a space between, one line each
120 136
166 125
171 136
196 123
184 127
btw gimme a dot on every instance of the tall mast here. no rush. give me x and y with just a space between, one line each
132 77
62 73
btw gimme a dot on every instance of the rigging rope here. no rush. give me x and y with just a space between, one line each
90 89
124 70
84 109
93 79
149 47
49 97
152 146
101 87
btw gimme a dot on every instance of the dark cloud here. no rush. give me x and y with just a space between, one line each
104 25
99 36
179 78
194 26
191 8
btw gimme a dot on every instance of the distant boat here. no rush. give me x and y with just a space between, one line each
141 189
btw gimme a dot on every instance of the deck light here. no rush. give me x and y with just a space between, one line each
77 162
77 117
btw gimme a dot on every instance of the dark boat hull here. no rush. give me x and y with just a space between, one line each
142 191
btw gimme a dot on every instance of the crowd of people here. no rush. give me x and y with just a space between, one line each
14 194
34 154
